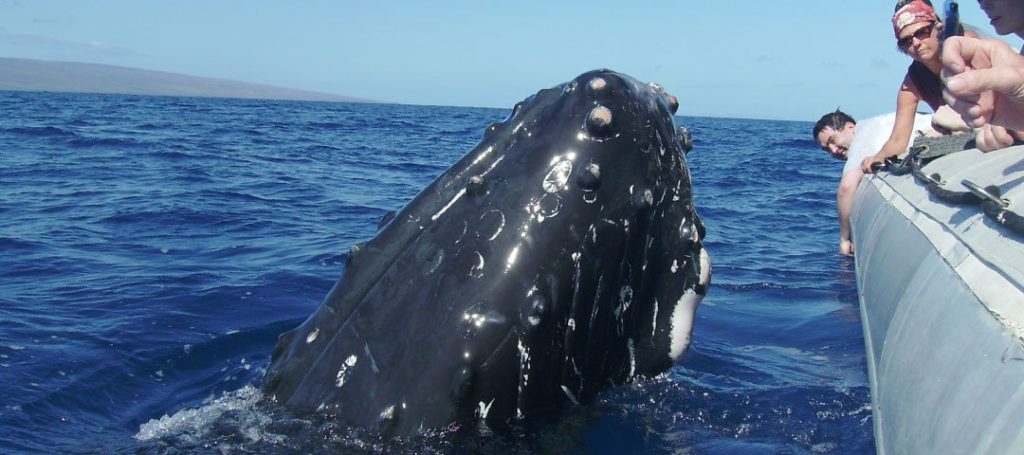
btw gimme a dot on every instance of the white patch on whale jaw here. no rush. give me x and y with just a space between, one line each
452 202
524 375
388 413
685 309
343 371
682 323
484 409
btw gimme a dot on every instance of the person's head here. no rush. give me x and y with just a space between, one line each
834 133
917 30
1007 16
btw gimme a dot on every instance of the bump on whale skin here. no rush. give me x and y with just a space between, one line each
561 255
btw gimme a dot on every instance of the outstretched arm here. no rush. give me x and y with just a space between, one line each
844 205
906 110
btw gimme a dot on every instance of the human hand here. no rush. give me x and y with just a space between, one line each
992 137
984 82
866 165
845 247
947 121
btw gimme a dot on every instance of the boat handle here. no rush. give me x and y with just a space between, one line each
984 194
929 178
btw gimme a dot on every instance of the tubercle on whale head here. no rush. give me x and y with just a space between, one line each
627 139
599 83
615 114
671 101
595 83
606 101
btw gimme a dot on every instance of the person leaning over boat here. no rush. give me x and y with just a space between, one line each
844 139
917 30
993 68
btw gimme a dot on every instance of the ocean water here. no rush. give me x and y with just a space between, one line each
152 249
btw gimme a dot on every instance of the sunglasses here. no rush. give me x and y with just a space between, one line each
921 34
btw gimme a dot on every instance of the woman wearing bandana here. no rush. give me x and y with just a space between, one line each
917 30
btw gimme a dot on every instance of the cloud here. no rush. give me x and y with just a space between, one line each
46 47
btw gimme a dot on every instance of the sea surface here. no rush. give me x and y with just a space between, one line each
153 248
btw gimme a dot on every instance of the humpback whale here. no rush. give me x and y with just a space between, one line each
561 255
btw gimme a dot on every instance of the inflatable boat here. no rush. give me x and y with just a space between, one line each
940 267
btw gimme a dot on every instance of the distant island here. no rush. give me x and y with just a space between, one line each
46 76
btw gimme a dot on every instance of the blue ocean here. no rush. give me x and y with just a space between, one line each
153 248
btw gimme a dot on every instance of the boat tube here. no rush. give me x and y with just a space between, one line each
940 268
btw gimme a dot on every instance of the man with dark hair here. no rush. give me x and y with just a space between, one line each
844 139
843 126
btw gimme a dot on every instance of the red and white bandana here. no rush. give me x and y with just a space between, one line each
913 12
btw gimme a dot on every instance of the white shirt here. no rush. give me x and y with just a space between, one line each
872 133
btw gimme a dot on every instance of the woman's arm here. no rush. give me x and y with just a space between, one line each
906 110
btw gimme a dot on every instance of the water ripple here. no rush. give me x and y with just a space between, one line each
155 247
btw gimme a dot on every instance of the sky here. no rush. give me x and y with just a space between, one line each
791 60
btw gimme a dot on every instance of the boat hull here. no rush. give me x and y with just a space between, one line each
942 310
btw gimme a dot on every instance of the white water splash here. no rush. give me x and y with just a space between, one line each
192 425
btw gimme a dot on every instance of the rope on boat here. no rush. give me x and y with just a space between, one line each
925 151
997 208
908 164
935 186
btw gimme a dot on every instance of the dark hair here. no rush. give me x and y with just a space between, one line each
836 120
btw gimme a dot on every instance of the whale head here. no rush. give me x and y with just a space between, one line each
560 255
